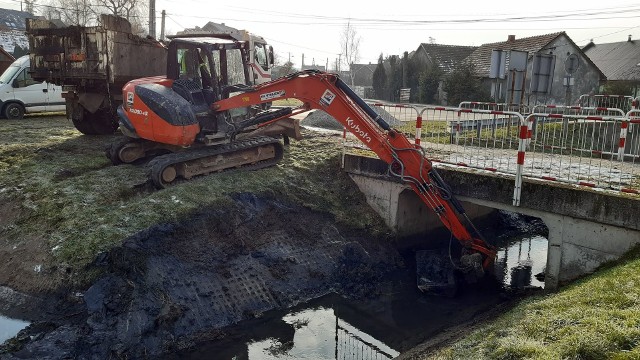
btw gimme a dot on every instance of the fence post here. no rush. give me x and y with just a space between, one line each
418 129
522 146
624 129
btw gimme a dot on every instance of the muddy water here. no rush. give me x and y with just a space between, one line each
10 327
199 290
521 261
336 328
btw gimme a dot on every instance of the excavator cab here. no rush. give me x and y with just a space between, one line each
204 72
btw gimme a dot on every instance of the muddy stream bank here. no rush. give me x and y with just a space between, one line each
206 287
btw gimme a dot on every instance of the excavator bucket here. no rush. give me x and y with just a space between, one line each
435 273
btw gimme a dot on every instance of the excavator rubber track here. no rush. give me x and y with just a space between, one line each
246 154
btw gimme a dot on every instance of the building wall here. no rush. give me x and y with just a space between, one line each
586 78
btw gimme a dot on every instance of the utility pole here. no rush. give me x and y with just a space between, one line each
152 18
164 14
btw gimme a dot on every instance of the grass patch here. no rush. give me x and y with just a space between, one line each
67 192
597 317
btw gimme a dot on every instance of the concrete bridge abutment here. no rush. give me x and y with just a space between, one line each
586 228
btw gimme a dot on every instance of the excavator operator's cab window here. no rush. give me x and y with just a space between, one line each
188 68
195 65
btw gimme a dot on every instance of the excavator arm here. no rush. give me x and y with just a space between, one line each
327 92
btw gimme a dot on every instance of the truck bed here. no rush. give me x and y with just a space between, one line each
82 56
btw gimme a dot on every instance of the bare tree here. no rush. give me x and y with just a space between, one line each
350 47
87 12
71 12
28 6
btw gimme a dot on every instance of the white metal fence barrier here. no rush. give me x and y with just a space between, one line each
566 144
624 102
521 108
583 150
577 110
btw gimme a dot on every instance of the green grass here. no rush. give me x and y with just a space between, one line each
597 317
67 192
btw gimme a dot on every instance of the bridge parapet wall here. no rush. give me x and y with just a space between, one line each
587 227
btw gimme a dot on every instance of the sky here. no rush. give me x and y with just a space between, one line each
312 28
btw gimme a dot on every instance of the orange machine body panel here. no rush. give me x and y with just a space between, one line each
145 120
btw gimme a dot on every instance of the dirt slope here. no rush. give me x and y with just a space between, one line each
169 285
112 267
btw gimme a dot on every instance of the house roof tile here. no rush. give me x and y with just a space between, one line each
618 61
13 19
447 56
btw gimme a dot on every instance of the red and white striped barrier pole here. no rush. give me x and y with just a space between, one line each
418 130
522 148
624 129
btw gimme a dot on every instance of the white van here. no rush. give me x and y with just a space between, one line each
20 94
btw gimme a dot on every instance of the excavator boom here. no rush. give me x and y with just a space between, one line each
327 92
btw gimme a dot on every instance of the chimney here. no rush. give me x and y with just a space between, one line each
511 38
629 39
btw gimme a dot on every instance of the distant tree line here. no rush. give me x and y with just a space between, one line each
426 81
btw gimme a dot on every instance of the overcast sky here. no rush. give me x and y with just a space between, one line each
392 27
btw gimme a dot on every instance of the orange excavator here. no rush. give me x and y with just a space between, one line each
198 125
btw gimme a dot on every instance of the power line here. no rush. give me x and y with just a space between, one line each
613 33
170 18
584 12
339 20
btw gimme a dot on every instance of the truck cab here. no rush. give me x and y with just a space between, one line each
20 94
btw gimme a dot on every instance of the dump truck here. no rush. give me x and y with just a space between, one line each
92 64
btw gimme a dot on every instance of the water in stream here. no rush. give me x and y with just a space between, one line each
380 327
336 328
10 327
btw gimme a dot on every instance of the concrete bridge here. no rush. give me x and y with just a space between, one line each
587 227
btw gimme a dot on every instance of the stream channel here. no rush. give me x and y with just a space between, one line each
335 326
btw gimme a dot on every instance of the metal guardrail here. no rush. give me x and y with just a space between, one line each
597 151
521 108
624 102
577 110
584 150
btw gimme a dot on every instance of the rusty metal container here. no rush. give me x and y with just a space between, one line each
92 64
